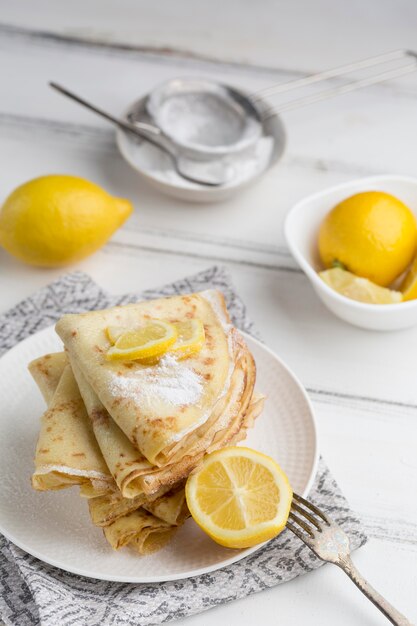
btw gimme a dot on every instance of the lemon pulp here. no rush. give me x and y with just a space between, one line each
190 338
239 497
147 342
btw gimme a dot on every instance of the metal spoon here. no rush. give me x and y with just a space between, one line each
193 171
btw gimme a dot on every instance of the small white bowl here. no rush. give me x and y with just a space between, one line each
301 233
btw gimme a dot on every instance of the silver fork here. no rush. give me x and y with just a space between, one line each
330 543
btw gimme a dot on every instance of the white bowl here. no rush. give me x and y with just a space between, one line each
157 169
301 233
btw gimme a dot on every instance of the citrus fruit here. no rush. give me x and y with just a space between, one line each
358 288
190 340
148 342
55 220
114 332
239 497
372 234
409 285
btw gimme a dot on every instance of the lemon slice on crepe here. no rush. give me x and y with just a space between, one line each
191 338
114 332
147 342
239 497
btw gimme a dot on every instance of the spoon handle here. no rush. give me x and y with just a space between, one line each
115 120
149 133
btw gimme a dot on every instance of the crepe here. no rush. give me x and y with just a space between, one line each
124 461
144 532
175 409
134 432
134 475
171 506
141 531
66 453
108 508
46 372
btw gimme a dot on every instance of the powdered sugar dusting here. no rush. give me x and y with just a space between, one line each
170 382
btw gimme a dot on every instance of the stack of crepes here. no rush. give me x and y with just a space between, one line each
129 432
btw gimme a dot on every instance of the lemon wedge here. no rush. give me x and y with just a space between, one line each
191 338
357 288
148 342
409 285
239 497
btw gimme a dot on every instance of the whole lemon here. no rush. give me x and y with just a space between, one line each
372 234
55 220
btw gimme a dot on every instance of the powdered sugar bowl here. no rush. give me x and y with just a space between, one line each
212 127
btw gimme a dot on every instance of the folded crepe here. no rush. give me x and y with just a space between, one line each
176 410
108 508
144 532
147 534
124 461
171 506
141 531
131 470
47 371
67 452
133 474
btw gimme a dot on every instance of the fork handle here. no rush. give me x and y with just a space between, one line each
394 616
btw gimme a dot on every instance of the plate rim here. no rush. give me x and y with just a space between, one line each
242 554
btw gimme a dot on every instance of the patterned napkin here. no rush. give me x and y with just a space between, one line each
35 593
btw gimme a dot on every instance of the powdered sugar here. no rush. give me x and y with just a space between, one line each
170 382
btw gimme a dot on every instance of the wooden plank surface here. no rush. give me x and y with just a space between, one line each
362 383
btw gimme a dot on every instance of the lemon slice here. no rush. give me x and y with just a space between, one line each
357 288
191 338
239 497
148 342
114 332
409 285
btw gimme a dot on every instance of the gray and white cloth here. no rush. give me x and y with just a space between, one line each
33 592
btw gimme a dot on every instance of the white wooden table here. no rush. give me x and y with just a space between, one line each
363 385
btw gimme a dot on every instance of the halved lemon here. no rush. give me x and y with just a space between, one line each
149 341
191 338
239 497
357 288
409 285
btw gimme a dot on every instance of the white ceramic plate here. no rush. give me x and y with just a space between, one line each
55 527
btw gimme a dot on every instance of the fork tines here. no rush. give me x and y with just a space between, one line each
307 512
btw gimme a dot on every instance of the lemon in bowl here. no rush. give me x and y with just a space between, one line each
55 220
302 227
372 234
